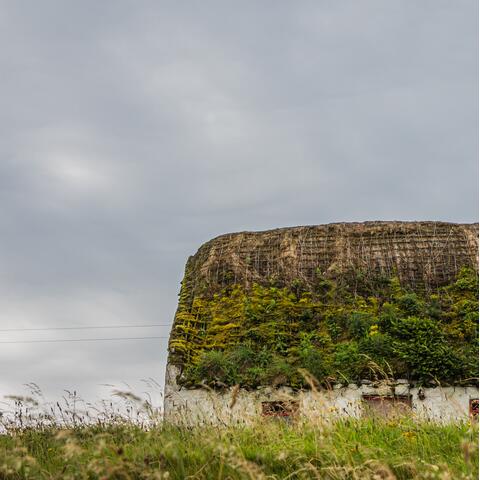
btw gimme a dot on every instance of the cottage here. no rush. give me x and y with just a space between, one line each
375 318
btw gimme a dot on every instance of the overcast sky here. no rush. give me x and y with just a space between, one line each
133 131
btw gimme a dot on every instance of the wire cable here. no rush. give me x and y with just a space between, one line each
94 327
81 340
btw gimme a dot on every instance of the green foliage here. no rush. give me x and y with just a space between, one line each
359 324
242 365
345 449
421 344
467 281
410 304
217 366
348 362
315 354
265 335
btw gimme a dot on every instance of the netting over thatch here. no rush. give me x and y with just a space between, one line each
423 255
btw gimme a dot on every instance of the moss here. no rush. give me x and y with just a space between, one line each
265 334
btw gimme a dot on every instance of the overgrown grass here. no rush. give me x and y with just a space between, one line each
274 449
126 438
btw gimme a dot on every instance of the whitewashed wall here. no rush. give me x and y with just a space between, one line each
195 406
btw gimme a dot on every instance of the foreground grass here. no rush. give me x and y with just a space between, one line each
347 449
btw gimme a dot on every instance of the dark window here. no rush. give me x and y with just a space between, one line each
474 408
279 408
387 404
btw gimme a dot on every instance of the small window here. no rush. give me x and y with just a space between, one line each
387 404
279 408
474 408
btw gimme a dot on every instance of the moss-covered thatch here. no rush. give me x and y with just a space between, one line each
343 301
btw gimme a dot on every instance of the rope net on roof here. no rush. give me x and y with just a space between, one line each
422 255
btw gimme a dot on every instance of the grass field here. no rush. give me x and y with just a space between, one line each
346 449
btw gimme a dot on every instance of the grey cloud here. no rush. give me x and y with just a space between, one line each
131 132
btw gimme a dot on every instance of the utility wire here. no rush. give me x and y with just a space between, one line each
81 340
83 328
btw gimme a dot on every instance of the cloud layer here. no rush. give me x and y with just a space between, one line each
131 132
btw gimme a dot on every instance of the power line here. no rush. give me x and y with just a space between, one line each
95 327
81 340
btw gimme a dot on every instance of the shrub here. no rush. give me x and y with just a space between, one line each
216 368
359 324
280 372
421 343
410 304
348 361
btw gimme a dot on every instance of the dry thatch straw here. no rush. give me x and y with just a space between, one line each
422 254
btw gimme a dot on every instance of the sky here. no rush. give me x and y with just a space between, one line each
133 131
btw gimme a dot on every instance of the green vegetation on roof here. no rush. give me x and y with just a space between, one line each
267 335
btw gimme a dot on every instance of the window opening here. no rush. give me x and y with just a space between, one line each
279 408
387 404
473 408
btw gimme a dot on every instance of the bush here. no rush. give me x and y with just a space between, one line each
349 362
410 304
314 356
421 344
359 324
216 368
280 372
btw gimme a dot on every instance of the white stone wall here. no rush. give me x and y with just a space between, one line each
204 406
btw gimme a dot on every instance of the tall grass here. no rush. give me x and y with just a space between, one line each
121 444
356 449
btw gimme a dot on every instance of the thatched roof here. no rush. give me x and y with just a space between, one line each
421 254
359 259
